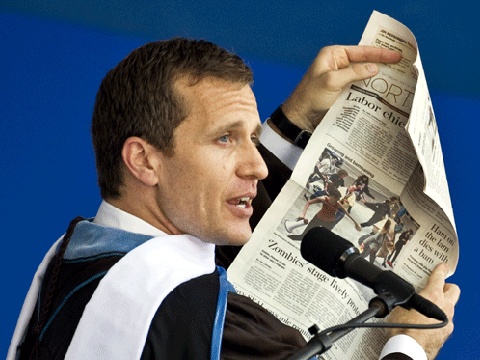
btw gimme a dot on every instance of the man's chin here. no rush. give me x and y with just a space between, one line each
237 238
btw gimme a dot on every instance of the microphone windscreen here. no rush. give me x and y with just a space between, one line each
323 248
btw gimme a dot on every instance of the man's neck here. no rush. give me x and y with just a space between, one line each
112 216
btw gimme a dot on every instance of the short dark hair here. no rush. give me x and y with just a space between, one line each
335 193
137 98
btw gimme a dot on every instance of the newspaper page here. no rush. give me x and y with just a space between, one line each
372 173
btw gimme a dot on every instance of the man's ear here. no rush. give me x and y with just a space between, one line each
141 160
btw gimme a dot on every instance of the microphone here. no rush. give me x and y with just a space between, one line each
339 258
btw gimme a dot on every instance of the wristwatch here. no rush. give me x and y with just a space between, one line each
297 135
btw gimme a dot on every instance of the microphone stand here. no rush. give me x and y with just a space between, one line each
380 306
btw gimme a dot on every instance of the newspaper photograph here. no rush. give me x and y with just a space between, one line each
373 174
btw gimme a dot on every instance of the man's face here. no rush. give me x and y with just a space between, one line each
207 186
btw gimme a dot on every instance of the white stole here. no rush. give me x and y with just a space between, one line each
116 320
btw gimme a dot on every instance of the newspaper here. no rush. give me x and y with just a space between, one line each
383 129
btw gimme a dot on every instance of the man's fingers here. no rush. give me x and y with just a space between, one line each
438 274
342 65
363 53
437 290
452 288
452 292
335 81
436 280
337 57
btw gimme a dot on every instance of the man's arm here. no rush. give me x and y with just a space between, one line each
333 68
318 199
370 205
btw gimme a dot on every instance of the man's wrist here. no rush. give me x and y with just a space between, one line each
289 130
276 142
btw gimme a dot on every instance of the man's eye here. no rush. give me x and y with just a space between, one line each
224 138
255 140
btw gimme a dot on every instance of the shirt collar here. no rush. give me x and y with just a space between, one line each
111 216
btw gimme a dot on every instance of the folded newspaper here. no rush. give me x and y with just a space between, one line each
372 173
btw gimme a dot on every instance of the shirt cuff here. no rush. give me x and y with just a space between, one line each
404 344
287 152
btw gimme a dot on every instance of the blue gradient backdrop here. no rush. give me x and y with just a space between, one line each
53 55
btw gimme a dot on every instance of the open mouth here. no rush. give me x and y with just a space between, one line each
242 202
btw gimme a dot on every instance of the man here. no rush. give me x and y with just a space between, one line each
377 244
325 217
363 180
323 169
175 132
399 244
380 211
334 180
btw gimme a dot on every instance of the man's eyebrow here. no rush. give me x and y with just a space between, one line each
238 124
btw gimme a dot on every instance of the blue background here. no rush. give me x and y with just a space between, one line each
53 55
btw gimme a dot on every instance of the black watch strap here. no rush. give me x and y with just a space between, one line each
297 135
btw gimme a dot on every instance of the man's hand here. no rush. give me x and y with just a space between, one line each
334 68
445 296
